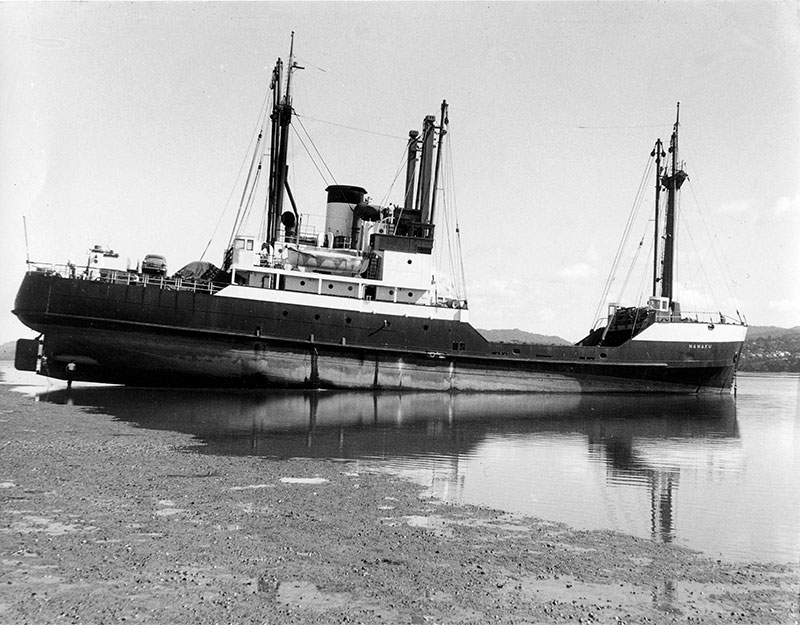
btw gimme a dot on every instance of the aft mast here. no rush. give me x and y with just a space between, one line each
671 182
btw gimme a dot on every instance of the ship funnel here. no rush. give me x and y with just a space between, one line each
340 211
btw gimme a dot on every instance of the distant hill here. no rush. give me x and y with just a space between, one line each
520 336
771 349
757 332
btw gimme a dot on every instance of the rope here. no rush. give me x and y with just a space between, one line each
316 150
398 171
626 233
253 137
364 130
726 277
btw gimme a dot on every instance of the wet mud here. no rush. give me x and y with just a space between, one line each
102 522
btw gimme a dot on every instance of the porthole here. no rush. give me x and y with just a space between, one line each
425 327
603 355
391 291
350 288
409 261
411 294
302 282
330 286
347 320
285 313
316 317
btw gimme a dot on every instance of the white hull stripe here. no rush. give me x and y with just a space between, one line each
343 303
692 332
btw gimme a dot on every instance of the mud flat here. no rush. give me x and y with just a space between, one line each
102 522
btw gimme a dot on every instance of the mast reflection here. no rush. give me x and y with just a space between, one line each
639 439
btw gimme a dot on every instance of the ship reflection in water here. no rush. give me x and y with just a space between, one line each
604 462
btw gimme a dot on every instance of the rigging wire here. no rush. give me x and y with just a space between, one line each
253 138
257 156
385 199
316 150
646 272
726 277
457 256
364 130
626 233
455 260
248 204
244 207
445 255
633 264
700 267
311 158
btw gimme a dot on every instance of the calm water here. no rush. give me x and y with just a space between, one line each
714 474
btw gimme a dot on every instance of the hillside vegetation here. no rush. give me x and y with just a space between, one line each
771 349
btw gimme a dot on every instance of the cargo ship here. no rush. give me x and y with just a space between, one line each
357 305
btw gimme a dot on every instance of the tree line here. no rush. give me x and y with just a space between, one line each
771 353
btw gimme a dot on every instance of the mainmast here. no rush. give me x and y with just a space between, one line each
275 138
672 183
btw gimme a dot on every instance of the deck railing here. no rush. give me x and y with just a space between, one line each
117 276
687 316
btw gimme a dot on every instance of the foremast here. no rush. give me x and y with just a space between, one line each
281 119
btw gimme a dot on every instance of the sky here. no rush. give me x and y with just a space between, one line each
127 125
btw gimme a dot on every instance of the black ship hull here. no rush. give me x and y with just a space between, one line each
150 336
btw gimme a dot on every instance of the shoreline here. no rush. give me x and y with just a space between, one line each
104 522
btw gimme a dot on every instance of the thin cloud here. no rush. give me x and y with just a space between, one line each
736 207
787 206
577 271
784 305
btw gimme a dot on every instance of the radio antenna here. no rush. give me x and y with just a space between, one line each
27 253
